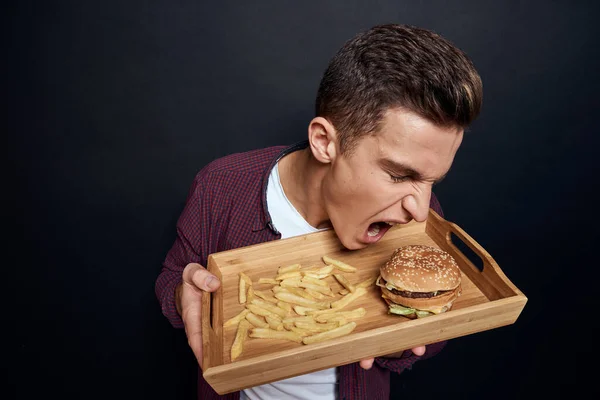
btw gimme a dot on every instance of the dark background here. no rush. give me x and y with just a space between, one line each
113 106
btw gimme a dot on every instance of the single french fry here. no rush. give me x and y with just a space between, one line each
334 333
290 282
278 288
317 288
300 331
273 323
289 268
314 281
262 333
344 282
300 310
299 318
261 311
250 295
338 319
316 276
348 315
316 295
367 282
342 266
347 299
288 275
256 320
322 312
246 278
325 270
265 296
236 320
301 301
270 307
298 292
242 291
317 327
285 306
268 281
240 337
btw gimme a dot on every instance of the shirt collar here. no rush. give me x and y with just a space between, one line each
263 220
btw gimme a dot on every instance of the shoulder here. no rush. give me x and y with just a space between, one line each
235 171
252 161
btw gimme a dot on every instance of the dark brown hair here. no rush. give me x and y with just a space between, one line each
392 66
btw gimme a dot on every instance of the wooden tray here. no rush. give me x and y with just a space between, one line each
489 300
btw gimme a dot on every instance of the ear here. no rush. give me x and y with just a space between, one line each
322 138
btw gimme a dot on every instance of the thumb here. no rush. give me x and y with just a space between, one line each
367 364
198 276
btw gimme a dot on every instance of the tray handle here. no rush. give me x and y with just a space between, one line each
491 279
211 337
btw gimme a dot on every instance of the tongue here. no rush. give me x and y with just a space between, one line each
373 229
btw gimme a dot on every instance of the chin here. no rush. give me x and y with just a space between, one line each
351 243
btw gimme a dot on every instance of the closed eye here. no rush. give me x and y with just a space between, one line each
399 179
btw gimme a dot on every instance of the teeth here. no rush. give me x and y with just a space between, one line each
374 231
391 223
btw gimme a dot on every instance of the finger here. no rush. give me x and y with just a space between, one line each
418 351
198 276
367 364
191 316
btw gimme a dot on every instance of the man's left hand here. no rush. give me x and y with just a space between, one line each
368 363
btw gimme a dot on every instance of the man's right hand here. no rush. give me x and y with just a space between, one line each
188 297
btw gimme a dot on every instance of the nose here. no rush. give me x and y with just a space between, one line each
417 204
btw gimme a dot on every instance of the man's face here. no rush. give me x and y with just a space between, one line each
388 177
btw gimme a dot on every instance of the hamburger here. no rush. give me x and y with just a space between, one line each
418 281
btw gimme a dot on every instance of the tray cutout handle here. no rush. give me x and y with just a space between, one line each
490 279
475 259
212 324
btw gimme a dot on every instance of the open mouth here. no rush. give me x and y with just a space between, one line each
377 229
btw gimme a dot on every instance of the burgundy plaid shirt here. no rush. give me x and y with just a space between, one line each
226 208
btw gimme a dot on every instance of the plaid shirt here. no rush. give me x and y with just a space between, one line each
226 208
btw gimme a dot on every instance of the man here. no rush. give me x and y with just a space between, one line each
390 116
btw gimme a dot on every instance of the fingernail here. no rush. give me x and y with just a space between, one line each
212 283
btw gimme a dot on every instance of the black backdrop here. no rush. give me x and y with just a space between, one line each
113 106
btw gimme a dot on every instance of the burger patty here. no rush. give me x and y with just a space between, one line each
415 295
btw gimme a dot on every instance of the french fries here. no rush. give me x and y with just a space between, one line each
300 310
289 268
344 282
242 291
273 334
339 264
236 320
357 313
256 320
367 282
349 298
240 338
301 301
270 307
267 281
334 333
265 296
288 275
300 306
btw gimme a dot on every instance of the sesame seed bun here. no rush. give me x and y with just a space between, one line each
419 268
422 278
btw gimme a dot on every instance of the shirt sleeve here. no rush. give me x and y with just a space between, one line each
187 248
407 359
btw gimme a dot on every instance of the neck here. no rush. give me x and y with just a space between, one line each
301 177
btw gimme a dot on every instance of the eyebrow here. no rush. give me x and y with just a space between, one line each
405 170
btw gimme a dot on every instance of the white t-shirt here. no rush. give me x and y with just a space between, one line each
320 385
